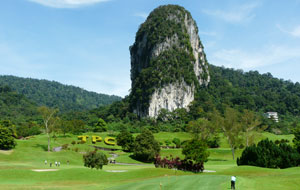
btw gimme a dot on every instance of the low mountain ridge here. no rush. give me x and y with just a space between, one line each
252 90
16 107
54 94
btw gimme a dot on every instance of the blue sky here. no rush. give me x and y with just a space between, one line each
86 42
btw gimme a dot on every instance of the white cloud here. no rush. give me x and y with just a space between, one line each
239 59
236 14
142 15
66 3
294 32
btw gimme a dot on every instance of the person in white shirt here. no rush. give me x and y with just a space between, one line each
233 179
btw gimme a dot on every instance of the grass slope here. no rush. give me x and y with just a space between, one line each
16 169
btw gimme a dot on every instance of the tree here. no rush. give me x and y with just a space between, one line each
268 154
232 129
145 146
177 142
65 126
7 141
296 139
77 126
28 129
8 124
95 159
201 129
249 123
126 140
101 126
196 150
49 119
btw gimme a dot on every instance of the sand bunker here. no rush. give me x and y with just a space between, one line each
209 171
116 170
45 170
6 152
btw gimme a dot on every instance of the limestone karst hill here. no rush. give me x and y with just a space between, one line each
168 63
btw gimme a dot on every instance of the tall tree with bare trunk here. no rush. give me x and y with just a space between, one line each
232 129
250 123
49 119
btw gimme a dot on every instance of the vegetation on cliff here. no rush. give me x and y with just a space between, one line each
166 24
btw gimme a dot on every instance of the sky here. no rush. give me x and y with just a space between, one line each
85 43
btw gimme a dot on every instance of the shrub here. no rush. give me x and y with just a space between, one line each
196 151
183 143
284 141
73 142
268 154
241 146
214 142
296 139
29 129
101 126
95 159
176 141
145 146
65 146
126 141
7 141
177 163
167 142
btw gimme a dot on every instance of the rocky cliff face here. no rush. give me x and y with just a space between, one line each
168 63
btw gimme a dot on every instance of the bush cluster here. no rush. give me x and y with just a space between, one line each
7 141
214 142
281 141
95 159
177 163
268 154
126 140
145 147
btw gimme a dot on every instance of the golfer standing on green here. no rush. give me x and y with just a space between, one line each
233 179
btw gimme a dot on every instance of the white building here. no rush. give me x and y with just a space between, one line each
273 116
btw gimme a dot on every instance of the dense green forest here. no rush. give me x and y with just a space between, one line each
16 107
254 91
228 88
54 94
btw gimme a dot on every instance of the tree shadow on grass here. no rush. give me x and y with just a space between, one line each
63 136
42 146
139 159
222 160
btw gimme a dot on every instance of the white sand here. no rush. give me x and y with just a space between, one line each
116 170
6 152
45 170
209 171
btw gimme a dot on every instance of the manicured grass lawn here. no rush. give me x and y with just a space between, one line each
16 169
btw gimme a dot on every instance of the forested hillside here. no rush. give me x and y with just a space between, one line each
16 107
237 89
254 91
228 88
54 94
